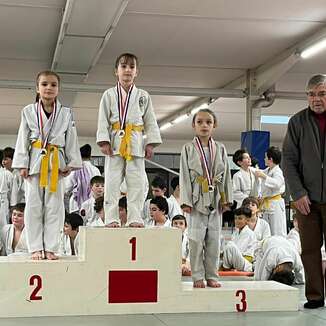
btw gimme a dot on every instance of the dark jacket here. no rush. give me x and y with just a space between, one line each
304 159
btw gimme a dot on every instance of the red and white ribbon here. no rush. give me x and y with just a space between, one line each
207 170
123 105
45 134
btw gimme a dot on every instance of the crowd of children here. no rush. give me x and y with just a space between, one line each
51 182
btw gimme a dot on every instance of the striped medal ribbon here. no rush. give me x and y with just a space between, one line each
208 172
123 108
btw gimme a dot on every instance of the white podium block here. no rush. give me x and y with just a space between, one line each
126 271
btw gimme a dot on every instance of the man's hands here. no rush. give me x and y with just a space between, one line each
303 205
149 150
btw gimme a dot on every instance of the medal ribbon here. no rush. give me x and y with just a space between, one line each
208 172
123 105
45 137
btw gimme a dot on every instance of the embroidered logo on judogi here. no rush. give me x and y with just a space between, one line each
142 101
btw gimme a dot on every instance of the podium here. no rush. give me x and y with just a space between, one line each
126 271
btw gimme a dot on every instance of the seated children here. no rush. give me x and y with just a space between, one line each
255 223
87 208
159 210
180 222
69 236
238 253
14 235
99 213
278 260
123 210
158 190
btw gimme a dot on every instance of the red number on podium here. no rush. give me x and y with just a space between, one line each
35 280
243 306
132 241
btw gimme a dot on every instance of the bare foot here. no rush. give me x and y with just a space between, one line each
113 225
136 225
199 284
213 284
37 255
50 255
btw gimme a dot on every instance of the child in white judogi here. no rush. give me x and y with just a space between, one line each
6 181
239 252
69 240
159 188
18 187
180 222
159 210
99 213
125 116
294 236
87 211
255 223
14 235
277 259
272 188
205 190
175 196
46 151
244 181
77 184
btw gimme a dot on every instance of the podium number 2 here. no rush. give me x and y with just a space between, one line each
132 241
36 281
242 306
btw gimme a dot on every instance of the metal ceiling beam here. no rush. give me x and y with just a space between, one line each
63 28
154 90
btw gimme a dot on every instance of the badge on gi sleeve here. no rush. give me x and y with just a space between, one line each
142 101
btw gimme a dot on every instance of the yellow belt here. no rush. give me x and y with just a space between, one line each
204 187
203 182
267 201
248 258
45 166
125 145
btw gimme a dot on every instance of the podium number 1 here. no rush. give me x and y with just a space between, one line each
36 281
132 241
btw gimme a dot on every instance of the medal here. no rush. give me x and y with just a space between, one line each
43 152
211 188
121 133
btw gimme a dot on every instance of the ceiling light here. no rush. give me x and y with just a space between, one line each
166 126
200 107
312 50
180 118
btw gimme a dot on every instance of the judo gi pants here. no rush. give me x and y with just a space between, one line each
232 258
116 169
276 218
204 244
44 215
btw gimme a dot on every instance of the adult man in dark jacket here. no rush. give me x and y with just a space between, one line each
304 159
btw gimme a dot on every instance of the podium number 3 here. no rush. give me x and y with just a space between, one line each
242 306
132 241
36 281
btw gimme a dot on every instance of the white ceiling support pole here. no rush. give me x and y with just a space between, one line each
114 24
62 32
251 91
